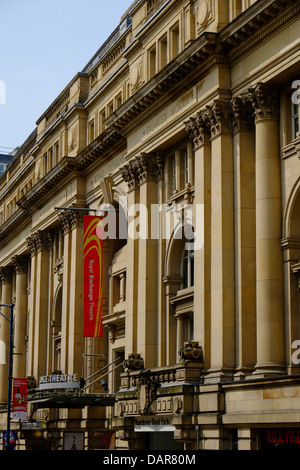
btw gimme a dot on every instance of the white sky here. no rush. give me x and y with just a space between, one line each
43 45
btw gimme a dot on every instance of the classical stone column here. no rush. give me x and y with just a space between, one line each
20 312
129 174
222 243
65 221
31 305
199 131
6 279
41 303
269 266
245 239
149 173
75 341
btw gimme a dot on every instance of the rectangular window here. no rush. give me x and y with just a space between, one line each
110 108
174 41
118 100
163 51
152 62
101 121
56 152
91 130
295 120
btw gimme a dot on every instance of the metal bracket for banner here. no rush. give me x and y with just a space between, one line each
82 209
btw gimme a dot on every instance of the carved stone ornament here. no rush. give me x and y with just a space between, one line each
134 362
265 100
144 167
146 391
198 129
243 114
191 351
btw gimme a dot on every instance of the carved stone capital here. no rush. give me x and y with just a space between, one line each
243 114
76 219
144 167
20 264
148 167
265 100
129 174
198 129
6 274
41 240
219 116
64 218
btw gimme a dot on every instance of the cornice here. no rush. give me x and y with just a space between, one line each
256 25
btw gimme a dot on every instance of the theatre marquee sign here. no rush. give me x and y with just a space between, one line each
59 381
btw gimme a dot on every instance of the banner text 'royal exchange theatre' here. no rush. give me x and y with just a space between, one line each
93 282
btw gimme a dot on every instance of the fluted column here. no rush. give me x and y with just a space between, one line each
20 312
199 131
269 267
244 215
6 279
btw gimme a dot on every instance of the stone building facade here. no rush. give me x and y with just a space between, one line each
185 122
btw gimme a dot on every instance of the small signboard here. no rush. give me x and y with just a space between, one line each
19 399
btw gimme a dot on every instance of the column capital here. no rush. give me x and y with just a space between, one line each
6 274
129 174
39 241
149 166
243 114
219 116
20 263
198 129
64 218
144 167
265 100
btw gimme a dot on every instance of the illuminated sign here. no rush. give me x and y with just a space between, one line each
56 381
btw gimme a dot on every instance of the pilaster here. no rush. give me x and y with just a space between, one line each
199 131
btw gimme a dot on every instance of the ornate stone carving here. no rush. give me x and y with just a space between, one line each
38 241
6 273
198 129
20 264
265 100
129 174
145 167
220 117
191 351
243 114
148 167
146 391
134 362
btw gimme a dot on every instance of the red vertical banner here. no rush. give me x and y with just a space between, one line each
93 272
19 399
